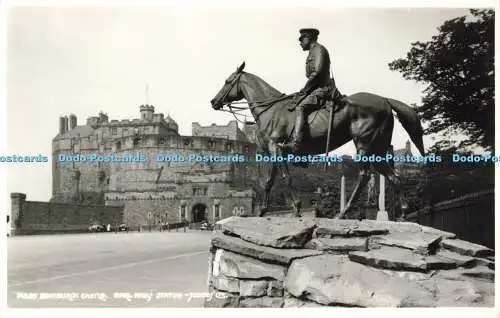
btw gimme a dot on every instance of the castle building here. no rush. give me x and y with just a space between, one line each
154 191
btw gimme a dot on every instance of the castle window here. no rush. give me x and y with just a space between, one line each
228 146
187 142
211 144
118 145
107 181
114 131
161 141
247 149
205 191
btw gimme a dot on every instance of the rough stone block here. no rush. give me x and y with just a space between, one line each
368 228
331 227
338 244
449 293
333 279
440 263
244 267
398 227
253 288
275 289
422 243
443 234
262 302
274 255
460 260
467 248
227 284
391 258
484 262
272 231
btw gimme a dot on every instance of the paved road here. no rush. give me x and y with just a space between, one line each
159 269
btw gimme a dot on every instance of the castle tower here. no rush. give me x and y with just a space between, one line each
72 121
76 185
147 112
62 128
408 147
66 123
16 212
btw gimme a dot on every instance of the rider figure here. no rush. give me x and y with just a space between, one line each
319 86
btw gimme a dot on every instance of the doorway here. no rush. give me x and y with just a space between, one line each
199 213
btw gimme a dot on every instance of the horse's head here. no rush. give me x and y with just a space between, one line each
230 92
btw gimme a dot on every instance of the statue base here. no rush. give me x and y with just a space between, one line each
382 216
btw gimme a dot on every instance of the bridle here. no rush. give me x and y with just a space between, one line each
256 104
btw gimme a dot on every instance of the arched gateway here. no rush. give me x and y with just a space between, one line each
199 213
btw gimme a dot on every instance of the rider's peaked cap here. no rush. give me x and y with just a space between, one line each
312 33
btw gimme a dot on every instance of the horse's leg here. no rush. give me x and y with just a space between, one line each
285 173
363 178
275 149
267 189
385 169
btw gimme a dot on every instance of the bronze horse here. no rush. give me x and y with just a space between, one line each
365 118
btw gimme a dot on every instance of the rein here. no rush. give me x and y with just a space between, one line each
263 103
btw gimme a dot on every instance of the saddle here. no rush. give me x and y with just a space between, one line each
330 97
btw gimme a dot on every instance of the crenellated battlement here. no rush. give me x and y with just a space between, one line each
151 141
229 131
170 196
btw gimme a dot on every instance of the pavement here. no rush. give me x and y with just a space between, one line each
135 269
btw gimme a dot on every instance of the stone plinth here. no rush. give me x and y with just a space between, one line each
304 262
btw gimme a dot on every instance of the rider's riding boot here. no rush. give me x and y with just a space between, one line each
298 134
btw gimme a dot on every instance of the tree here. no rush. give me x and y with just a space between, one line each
458 66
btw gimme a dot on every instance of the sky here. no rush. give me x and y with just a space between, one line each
85 60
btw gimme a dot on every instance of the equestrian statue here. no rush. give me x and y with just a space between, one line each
318 115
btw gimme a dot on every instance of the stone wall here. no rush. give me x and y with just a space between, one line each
31 217
149 208
471 217
286 262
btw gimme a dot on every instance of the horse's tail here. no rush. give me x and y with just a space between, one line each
410 121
